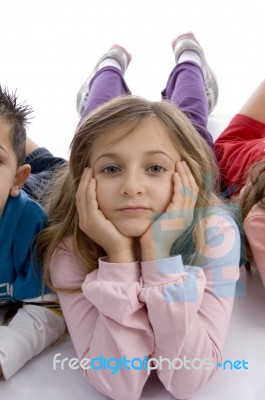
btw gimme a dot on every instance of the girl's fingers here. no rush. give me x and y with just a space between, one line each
183 173
177 189
82 184
87 206
192 181
180 212
91 198
86 194
189 180
185 187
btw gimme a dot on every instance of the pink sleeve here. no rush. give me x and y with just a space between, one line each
254 227
105 320
189 308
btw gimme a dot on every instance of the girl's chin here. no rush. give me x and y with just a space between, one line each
132 228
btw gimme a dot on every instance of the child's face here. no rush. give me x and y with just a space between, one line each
8 163
134 175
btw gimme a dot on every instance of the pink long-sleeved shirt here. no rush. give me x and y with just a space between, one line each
152 309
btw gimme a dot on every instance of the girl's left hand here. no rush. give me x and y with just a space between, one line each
157 241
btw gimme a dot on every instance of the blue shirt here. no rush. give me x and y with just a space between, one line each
20 271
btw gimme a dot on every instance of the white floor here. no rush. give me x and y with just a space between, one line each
245 341
48 48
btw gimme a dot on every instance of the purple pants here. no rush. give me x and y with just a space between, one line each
185 89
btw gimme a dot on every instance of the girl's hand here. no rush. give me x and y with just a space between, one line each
157 241
94 224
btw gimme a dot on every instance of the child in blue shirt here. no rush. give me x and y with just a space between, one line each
38 322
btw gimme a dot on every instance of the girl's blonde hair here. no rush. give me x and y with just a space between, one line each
252 193
127 111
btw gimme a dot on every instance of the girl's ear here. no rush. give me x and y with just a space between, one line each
22 175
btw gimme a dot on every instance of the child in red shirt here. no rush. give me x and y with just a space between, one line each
240 151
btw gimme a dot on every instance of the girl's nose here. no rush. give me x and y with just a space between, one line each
133 185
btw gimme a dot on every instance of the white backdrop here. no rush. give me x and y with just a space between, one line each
48 47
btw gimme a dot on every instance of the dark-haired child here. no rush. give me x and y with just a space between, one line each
38 321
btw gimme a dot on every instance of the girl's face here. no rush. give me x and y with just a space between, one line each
134 175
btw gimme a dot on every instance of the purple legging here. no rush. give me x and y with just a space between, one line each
185 88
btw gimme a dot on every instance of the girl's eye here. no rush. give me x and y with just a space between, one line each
111 170
156 169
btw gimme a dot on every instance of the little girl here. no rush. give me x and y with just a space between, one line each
143 255
240 150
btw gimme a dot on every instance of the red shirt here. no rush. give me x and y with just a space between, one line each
240 146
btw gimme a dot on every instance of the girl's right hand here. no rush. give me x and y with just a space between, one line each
93 223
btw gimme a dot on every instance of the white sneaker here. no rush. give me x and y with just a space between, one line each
187 41
117 52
